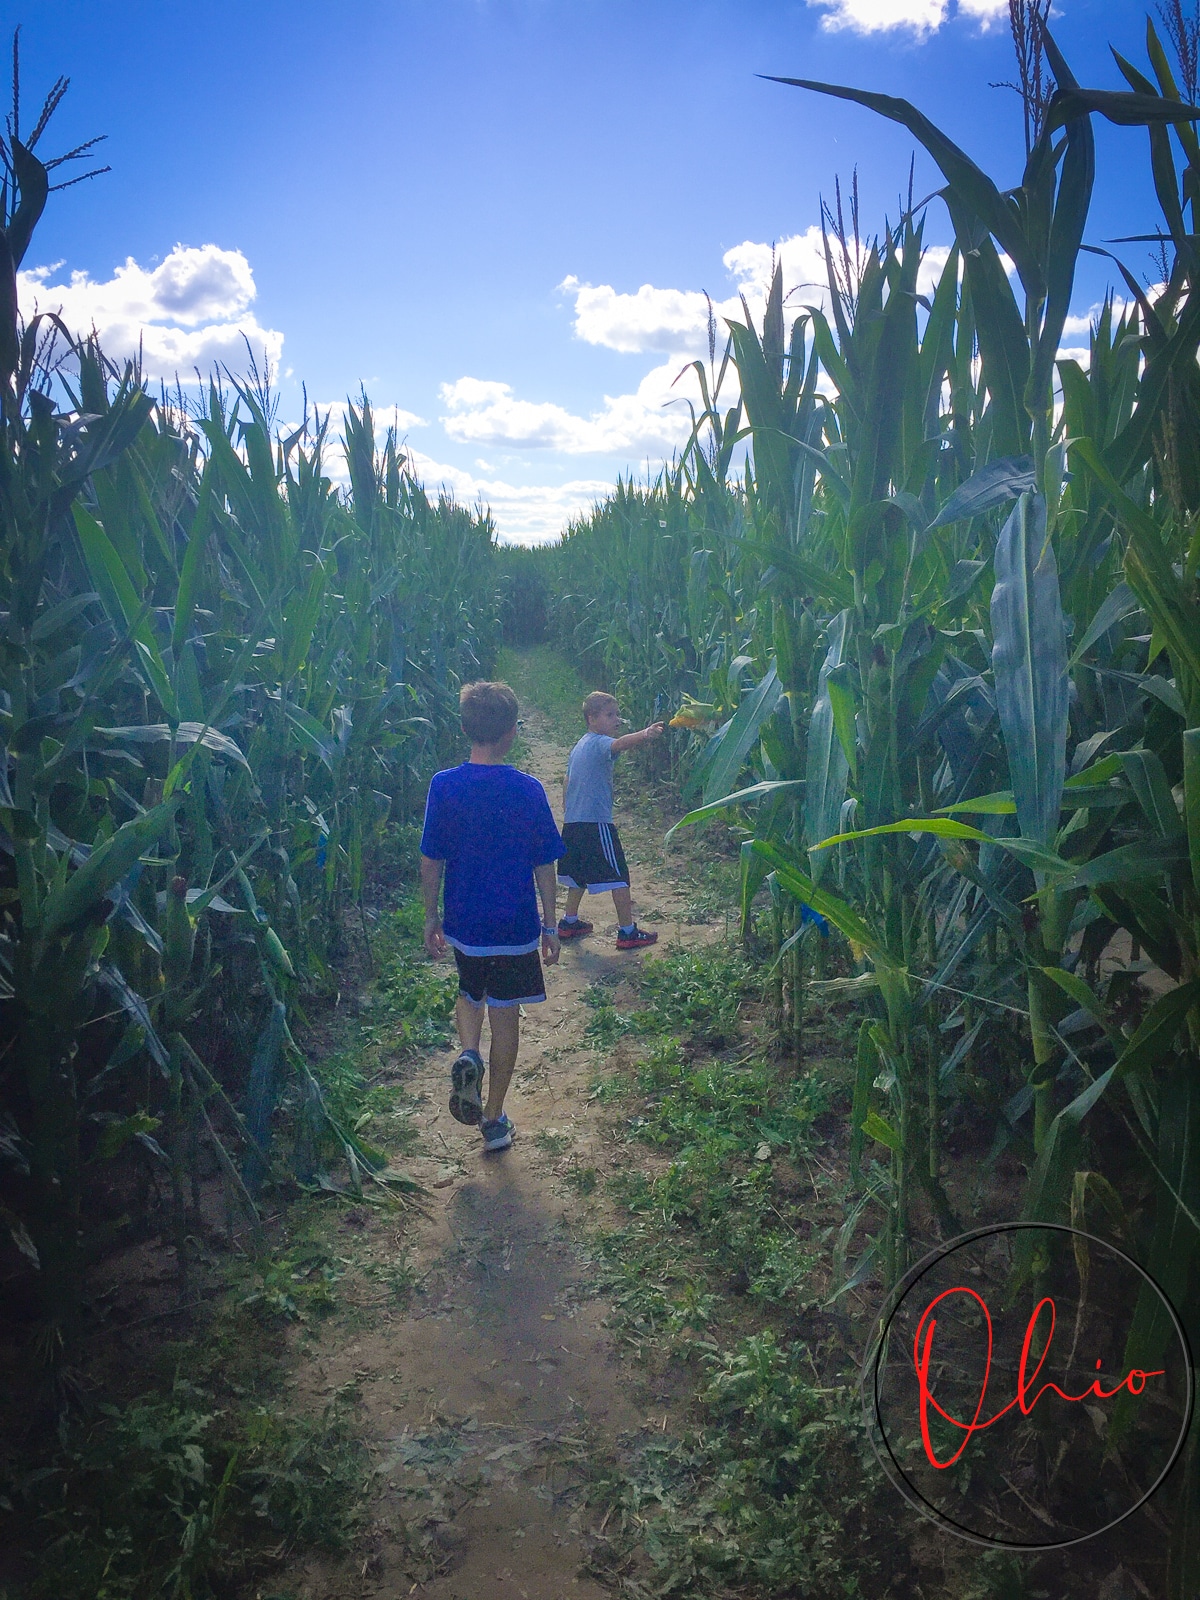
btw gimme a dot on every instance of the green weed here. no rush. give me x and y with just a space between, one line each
605 1091
715 888
178 1495
298 1283
757 1496
582 1179
606 1025
551 1142
400 1277
725 1125
409 1007
415 997
698 992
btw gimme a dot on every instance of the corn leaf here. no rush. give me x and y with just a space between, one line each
185 733
1152 1041
993 485
120 600
1029 661
756 791
827 767
106 866
739 736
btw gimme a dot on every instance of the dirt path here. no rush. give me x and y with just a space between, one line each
482 1399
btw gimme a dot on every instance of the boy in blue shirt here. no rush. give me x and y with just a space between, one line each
490 828
593 858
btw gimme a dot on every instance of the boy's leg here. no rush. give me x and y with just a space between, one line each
505 1024
466 1073
469 1019
572 869
629 935
574 899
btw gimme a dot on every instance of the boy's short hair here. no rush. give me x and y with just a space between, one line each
597 701
488 711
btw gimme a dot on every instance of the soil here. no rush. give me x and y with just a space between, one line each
483 1399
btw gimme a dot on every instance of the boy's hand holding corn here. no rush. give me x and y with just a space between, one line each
628 741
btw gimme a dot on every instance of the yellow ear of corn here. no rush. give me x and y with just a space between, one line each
694 714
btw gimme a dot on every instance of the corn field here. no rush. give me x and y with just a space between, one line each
932 651
939 650
220 677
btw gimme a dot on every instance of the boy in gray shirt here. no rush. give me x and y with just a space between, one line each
594 861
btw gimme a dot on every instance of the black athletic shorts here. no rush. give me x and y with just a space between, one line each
501 980
594 859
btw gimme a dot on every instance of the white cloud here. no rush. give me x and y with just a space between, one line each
1077 326
385 418
402 420
933 260
1081 326
880 16
802 257
489 413
473 393
192 310
651 319
653 420
524 514
675 321
986 12
920 17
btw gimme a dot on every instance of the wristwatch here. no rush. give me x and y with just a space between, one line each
545 929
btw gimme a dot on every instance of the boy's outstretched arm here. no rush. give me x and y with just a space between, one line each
628 741
431 888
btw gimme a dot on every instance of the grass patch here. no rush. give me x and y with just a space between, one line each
734 1132
698 992
582 1179
211 1475
715 887
409 1007
553 1143
182 1495
542 677
413 997
694 994
716 1270
757 1496
399 1277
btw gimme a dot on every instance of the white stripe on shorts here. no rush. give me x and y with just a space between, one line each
606 844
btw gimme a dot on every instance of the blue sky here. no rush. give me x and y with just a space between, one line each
458 202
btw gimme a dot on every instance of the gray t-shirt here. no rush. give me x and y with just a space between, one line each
590 780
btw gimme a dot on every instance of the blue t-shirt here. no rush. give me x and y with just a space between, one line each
589 796
491 825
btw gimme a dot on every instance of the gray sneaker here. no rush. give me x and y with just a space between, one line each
466 1076
497 1134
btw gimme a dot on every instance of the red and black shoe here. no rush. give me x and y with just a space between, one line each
572 930
636 939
